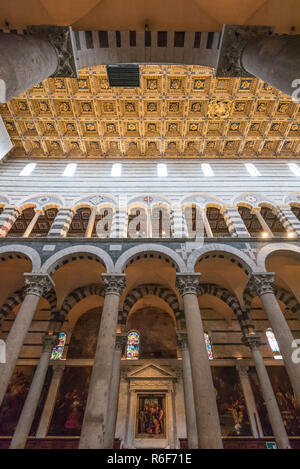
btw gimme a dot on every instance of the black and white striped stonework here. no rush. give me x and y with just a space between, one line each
61 224
289 221
119 224
7 219
79 294
178 223
235 224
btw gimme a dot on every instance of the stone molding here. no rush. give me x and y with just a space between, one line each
182 339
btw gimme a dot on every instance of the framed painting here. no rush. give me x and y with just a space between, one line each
151 416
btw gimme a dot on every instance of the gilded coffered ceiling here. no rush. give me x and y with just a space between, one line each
178 112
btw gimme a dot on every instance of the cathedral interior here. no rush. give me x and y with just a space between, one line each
149 224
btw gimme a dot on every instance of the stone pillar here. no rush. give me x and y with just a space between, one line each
262 284
112 412
50 401
119 223
206 223
234 222
28 412
250 402
7 219
35 286
207 418
91 223
274 59
95 417
179 228
62 223
262 221
31 225
289 221
26 60
253 341
189 403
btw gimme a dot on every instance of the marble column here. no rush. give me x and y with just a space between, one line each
274 59
250 401
7 219
207 418
27 59
234 222
35 286
191 425
28 412
62 223
91 223
48 409
206 224
112 412
262 284
253 341
95 417
38 213
256 211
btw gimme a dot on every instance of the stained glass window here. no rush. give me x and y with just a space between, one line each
273 344
133 346
58 350
208 346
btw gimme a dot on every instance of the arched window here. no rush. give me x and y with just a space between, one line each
273 344
133 346
58 350
208 346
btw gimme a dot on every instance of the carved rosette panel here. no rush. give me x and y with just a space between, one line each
37 284
114 283
262 283
187 283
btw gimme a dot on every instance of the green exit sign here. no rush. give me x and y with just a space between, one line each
271 445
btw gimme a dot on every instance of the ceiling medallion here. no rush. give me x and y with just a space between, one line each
219 108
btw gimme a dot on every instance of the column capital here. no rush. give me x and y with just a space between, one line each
121 340
242 370
262 282
252 341
40 211
255 210
182 339
187 282
60 39
38 284
49 341
114 283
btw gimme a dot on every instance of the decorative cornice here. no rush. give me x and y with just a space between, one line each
261 283
38 284
114 283
187 283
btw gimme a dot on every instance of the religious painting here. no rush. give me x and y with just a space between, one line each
86 327
71 401
14 399
289 409
231 404
151 416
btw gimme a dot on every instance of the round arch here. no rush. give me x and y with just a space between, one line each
25 251
158 249
271 248
42 200
54 261
237 256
